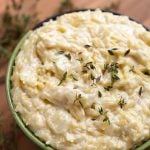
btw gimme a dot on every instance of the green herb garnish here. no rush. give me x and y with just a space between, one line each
132 69
105 68
110 51
140 91
99 94
122 102
146 72
68 56
87 46
63 78
74 78
60 52
78 97
108 88
89 65
127 52
106 119
113 69
101 111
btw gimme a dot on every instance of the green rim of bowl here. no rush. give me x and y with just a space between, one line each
16 115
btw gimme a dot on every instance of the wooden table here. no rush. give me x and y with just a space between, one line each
137 9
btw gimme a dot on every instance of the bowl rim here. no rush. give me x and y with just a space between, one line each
11 63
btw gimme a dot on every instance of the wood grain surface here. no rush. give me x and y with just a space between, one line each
137 9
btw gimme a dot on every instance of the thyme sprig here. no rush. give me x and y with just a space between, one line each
113 69
111 51
106 119
132 69
78 98
63 78
89 65
122 102
101 111
14 26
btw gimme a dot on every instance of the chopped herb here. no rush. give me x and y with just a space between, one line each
78 97
114 77
68 56
99 94
101 111
146 72
80 59
113 49
74 78
140 91
87 46
60 52
63 78
89 65
121 102
127 52
132 69
107 88
113 69
92 77
105 68
106 119
110 51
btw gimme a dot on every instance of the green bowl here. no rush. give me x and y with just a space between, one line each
16 115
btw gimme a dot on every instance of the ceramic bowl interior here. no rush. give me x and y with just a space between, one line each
16 115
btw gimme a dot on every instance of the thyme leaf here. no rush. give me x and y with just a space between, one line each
132 69
99 94
108 88
122 102
101 111
146 72
106 119
105 68
89 65
74 78
60 52
127 52
110 51
140 91
68 56
113 69
87 46
78 97
63 78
